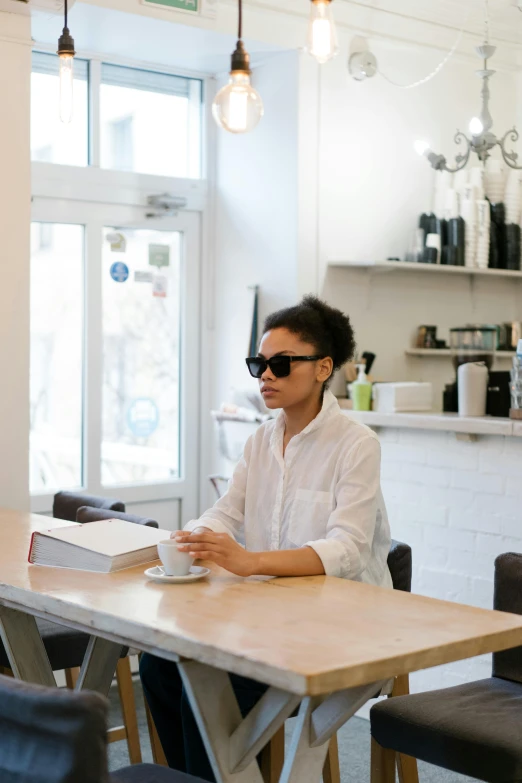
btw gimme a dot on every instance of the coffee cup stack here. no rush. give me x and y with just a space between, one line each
469 215
483 234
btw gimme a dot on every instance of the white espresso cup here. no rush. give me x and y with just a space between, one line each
175 563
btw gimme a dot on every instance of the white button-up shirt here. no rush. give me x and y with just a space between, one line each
324 493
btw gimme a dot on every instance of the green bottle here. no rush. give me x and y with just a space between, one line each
362 391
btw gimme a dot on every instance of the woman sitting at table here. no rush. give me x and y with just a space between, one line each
305 496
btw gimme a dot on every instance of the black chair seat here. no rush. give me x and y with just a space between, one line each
65 647
66 504
474 729
87 514
151 773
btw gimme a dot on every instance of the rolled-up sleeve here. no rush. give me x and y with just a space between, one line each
347 547
228 514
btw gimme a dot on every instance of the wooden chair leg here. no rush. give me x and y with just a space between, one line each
331 771
71 676
158 756
401 686
406 765
407 769
128 708
273 757
382 764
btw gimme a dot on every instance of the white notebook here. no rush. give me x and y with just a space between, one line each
105 546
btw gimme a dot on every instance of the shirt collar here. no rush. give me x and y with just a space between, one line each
330 407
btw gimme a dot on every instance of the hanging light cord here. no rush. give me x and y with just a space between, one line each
65 14
239 19
444 62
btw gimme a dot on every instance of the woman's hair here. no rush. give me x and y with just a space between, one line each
315 322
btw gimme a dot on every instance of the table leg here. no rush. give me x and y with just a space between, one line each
232 743
24 647
99 665
28 657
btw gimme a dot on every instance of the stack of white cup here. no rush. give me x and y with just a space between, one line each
483 231
469 215
512 197
494 181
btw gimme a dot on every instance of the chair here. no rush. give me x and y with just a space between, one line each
57 736
84 515
220 484
473 729
66 504
66 647
272 759
87 514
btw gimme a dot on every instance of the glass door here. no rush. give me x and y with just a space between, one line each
138 360
142 335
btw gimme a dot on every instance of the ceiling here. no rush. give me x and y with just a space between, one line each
99 30
505 18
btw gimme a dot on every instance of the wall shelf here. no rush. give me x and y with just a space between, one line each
404 266
439 353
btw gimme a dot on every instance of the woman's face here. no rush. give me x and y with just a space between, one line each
306 379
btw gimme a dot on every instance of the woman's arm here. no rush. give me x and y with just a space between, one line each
227 553
347 545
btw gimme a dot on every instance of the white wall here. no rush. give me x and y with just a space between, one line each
373 185
256 223
15 201
372 188
458 506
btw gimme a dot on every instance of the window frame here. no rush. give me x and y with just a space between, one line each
94 61
62 194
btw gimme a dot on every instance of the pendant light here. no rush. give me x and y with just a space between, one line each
66 54
237 107
322 36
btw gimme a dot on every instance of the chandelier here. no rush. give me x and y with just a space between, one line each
482 140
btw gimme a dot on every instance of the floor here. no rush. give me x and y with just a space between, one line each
354 747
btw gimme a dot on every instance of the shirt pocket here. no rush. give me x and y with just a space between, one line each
309 516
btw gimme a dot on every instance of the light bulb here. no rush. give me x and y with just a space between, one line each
238 107
421 147
322 36
476 127
66 87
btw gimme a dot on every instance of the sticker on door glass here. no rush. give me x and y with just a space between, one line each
117 242
143 277
159 286
159 255
143 417
119 271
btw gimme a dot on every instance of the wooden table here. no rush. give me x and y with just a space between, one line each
325 644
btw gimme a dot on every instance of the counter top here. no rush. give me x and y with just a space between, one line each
444 422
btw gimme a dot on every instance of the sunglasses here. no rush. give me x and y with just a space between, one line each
279 365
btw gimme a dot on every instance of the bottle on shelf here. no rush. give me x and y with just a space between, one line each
361 390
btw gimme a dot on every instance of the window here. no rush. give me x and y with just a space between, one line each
56 356
121 137
156 116
141 356
52 141
115 338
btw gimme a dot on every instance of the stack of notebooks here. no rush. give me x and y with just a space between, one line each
106 546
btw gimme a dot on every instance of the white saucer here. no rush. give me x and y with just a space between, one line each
157 574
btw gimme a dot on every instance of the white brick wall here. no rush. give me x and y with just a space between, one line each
458 505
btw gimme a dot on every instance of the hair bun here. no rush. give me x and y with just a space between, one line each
319 324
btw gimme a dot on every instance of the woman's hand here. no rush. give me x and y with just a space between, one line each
220 548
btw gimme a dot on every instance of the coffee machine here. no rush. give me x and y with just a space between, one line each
476 343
